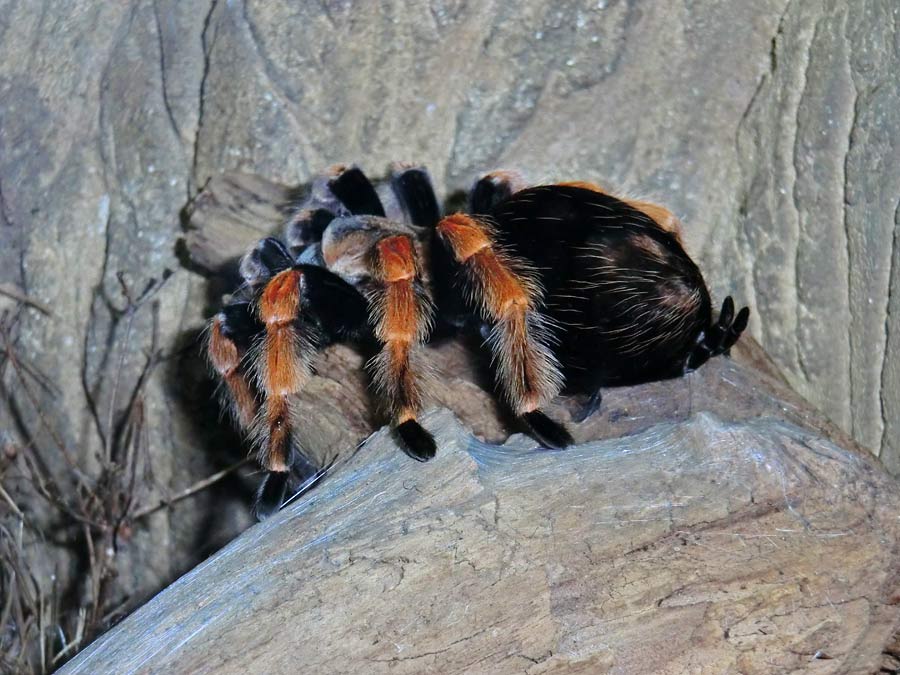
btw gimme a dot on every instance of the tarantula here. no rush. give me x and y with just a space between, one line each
568 284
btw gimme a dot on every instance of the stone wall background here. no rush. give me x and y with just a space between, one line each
771 128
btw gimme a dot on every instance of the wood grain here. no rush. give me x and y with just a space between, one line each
712 523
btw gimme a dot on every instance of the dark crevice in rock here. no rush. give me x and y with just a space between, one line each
853 394
895 251
207 43
164 86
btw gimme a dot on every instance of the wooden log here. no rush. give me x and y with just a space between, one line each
713 523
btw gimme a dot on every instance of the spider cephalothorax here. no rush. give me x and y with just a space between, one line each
570 286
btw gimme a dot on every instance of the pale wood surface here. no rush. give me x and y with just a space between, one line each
714 523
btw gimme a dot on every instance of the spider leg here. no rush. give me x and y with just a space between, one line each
233 330
401 315
283 366
356 192
305 226
263 261
231 334
303 308
527 369
493 188
414 191
589 408
340 191
660 215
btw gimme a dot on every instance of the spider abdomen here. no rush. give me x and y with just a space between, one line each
627 301
644 306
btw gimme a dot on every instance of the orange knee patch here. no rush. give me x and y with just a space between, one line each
464 235
280 300
223 353
396 259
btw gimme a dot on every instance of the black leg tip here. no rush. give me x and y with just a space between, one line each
588 409
416 441
548 432
274 255
270 495
727 313
356 193
740 321
414 190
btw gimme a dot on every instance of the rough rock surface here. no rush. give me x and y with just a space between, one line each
769 127
714 535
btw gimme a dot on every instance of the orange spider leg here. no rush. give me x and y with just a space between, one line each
660 215
225 357
402 321
283 366
526 367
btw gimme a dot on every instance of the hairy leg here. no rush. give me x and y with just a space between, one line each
356 192
509 300
340 191
414 191
234 330
230 337
402 319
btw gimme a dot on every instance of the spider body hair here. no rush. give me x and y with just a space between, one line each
573 287
630 301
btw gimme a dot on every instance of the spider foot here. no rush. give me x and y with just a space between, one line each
415 441
589 408
271 493
550 433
